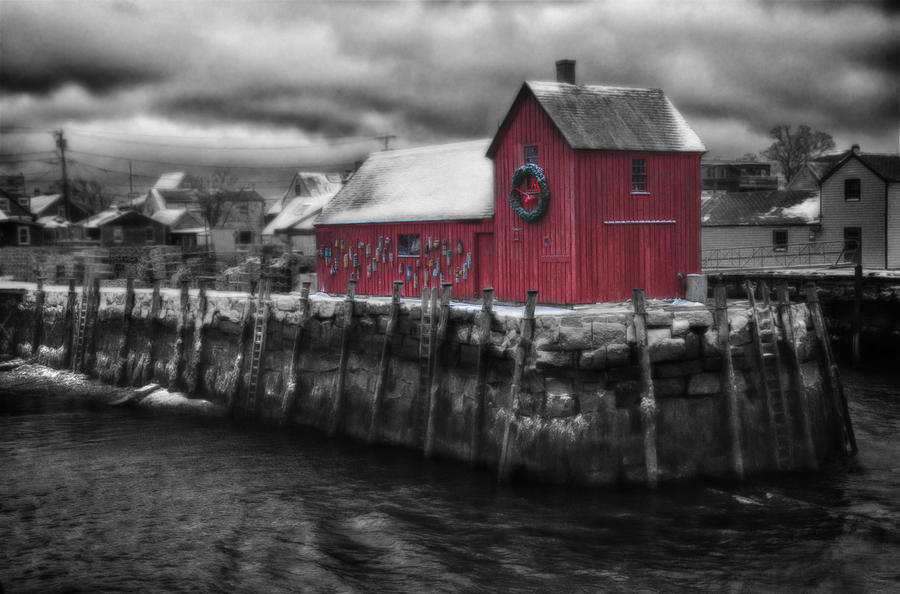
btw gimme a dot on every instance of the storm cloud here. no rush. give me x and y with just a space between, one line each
433 72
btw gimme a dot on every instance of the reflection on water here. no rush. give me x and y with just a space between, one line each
119 500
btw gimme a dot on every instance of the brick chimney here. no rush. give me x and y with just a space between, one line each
855 149
565 71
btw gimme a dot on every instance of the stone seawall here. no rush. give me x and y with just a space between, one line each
572 406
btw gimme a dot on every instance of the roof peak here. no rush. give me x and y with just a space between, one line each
553 83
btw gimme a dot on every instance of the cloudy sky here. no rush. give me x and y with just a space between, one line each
308 85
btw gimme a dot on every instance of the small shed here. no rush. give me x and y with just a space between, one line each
124 228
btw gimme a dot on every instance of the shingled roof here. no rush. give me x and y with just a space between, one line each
433 183
775 207
611 118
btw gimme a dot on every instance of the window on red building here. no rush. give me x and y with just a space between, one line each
638 176
531 155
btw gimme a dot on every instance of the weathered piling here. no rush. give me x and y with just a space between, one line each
94 325
732 413
291 392
339 381
830 372
482 339
38 334
787 424
786 319
238 380
195 370
125 345
437 367
648 397
384 362
510 429
857 320
176 366
69 325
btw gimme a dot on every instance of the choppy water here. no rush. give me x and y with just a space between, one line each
119 500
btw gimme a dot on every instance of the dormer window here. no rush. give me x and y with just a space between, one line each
531 155
638 176
852 190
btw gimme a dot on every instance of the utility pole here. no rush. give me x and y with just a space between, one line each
130 184
61 144
386 139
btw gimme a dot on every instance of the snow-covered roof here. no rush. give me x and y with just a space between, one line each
40 203
432 183
170 180
299 211
53 222
613 118
172 217
307 184
101 218
720 208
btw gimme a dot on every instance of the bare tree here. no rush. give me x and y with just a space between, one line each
792 150
211 193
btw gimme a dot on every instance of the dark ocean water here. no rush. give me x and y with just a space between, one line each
119 500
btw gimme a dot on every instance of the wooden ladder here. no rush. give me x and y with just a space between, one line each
259 342
80 329
777 390
426 336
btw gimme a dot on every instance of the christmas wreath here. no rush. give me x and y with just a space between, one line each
515 194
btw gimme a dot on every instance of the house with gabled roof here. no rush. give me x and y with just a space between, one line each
584 193
18 226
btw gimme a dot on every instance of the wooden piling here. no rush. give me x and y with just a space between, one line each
292 392
94 321
195 371
482 340
125 345
176 375
732 412
38 334
346 334
648 396
783 388
437 367
857 316
69 326
505 465
247 319
384 362
786 318
830 371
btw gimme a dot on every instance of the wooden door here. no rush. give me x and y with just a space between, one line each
484 261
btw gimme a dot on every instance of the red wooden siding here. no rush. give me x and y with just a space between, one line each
539 255
380 280
616 254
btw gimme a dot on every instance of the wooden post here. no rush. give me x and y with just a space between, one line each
246 333
125 346
786 318
783 388
291 393
38 335
346 334
648 396
437 367
384 362
733 424
831 372
505 466
763 371
177 371
93 319
857 314
195 371
69 326
482 339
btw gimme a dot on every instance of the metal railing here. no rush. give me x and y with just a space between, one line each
792 255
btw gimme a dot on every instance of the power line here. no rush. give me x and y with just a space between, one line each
189 164
337 141
26 153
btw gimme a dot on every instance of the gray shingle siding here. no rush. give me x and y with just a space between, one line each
894 225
